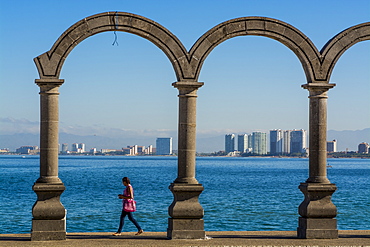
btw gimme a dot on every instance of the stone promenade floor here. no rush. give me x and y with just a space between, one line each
245 238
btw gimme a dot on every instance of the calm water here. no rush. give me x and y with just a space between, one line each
241 194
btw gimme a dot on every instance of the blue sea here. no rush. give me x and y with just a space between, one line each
240 194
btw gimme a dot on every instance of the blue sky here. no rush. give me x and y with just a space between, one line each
251 83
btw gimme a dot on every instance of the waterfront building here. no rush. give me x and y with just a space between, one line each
82 147
259 143
250 138
229 143
276 141
286 141
331 146
74 147
126 151
133 149
298 141
164 146
27 150
64 148
363 148
140 149
148 150
243 143
105 150
78 147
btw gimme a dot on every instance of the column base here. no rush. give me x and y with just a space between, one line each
317 228
45 230
185 229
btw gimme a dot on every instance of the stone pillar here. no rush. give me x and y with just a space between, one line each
48 222
317 210
186 212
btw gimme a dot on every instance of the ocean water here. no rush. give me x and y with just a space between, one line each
240 194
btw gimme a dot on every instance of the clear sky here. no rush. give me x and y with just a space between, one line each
251 83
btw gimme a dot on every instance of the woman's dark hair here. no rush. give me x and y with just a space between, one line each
126 179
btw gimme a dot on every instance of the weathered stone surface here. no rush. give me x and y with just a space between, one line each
186 212
317 202
188 224
186 234
317 211
316 228
46 230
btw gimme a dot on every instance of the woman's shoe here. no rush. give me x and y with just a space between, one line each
116 234
139 232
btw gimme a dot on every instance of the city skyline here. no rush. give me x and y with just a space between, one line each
164 147
279 142
345 141
252 80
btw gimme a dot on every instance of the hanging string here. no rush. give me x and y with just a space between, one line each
115 27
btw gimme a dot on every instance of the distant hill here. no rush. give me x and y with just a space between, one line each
17 140
349 138
346 139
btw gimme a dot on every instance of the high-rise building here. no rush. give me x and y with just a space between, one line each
242 143
148 150
27 149
363 148
164 146
74 147
259 143
286 141
82 147
229 143
64 148
133 149
78 148
298 141
250 139
276 141
331 146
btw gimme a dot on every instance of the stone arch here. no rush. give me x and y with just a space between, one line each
49 64
341 42
185 211
278 30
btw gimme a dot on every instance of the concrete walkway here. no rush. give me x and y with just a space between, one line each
245 238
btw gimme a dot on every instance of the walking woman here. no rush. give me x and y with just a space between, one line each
128 199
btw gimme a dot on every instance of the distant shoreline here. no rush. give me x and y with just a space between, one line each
330 156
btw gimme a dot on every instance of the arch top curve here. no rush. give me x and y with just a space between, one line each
49 64
280 31
317 65
335 47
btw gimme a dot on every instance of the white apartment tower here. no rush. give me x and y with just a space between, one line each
286 141
259 143
229 143
298 141
276 141
78 148
331 146
242 143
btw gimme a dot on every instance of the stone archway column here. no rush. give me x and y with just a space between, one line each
186 212
317 210
48 222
